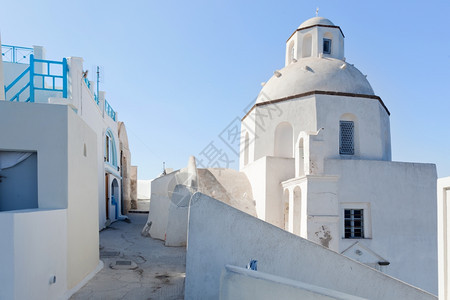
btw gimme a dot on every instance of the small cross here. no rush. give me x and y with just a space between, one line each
317 12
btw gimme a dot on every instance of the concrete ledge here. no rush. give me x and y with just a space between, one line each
240 283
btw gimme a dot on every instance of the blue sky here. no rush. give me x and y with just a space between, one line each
178 72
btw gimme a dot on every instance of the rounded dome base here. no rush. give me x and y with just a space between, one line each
315 74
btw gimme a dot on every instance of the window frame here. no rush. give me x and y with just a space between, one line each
110 149
355 215
367 219
329 41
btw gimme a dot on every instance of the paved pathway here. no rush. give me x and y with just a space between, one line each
159 272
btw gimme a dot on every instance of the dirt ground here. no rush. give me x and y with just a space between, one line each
136 267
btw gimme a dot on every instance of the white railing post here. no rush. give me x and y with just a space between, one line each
2 78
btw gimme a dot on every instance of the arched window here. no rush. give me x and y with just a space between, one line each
110 149
291 52
283 140
307 45
327 43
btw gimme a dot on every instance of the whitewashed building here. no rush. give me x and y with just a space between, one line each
64 161
29 77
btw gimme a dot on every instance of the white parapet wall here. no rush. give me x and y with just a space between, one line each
240 283
220 235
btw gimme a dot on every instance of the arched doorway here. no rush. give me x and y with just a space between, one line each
115 197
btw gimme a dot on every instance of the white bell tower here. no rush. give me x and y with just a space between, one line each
316 37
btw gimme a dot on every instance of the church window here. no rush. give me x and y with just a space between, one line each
353 223
307 45
346 140
326 46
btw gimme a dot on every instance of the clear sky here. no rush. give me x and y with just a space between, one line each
179 72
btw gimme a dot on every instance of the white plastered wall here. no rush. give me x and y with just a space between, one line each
247 126
402 203
311 113
34 249
159 206
265 176
82 212
25 130
372 137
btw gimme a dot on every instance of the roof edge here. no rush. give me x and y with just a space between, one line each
316 25
374 97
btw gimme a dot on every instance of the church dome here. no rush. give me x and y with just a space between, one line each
316 21
315 74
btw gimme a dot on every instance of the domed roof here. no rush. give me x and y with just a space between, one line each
315 74
316 21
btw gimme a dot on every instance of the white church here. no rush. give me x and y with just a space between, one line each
315 160
317 152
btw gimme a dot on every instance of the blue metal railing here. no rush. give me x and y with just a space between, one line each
48 79
110 111
48 74
88 84
15 54
16 97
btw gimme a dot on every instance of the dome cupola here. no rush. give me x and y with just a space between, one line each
316 37
315 63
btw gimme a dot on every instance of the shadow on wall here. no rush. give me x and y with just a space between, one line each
18 180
